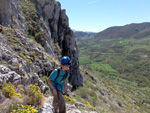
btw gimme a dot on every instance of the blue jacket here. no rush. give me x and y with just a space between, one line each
58 83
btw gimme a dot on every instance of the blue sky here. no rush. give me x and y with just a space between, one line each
97 15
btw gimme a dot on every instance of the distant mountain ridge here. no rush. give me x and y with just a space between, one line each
83 34
123 31
135 30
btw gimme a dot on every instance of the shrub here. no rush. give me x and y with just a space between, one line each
70 99
89 105
119 103
30 101
35 95
40 37
44 79
32 54
83 92
38 96
28 61
9 91
22 109
92 93
22 55
129 106
12 107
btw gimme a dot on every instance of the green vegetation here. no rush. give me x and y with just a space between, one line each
44 79
30 14
127 57
32 54
27 96
33 21
9 91
35 95
122 63
26 59
15 108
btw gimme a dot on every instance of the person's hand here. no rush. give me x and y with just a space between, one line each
54 91
64 91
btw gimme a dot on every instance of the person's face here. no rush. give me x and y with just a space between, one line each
65 67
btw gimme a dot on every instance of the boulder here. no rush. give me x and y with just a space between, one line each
8 75
47 107
41 84
74 111
78 104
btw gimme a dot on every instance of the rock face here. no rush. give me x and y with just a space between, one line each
61 33
52 23
67 43
20 69
8 75
9 12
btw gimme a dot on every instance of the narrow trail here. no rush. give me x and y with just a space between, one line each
48 108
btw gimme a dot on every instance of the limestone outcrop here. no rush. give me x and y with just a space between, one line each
9 13
61 33
43 20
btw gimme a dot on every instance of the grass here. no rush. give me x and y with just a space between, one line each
118 56
102 67
32 19
120 64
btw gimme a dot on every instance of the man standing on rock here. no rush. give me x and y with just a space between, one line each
58 84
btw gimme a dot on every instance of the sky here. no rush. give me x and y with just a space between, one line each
97 15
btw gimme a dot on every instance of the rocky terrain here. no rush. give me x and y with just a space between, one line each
34 34
44 21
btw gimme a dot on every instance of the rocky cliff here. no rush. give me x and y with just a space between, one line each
34 34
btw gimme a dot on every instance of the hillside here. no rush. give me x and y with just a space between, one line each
35 34
123 31
81 35
122 61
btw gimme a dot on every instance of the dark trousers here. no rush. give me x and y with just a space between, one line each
59 102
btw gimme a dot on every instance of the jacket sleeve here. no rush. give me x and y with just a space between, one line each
53 75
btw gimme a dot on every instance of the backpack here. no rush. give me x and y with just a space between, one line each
64 77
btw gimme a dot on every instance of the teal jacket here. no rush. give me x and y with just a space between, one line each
58 83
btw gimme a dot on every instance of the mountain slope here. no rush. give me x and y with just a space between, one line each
81 35
121 61
123 31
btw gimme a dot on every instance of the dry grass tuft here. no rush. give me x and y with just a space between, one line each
5 105
17 100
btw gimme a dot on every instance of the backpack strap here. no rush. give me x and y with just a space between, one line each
57 74
65 76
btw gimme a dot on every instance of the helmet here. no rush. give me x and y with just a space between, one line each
65 60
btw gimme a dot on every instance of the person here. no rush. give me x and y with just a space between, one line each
57 82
